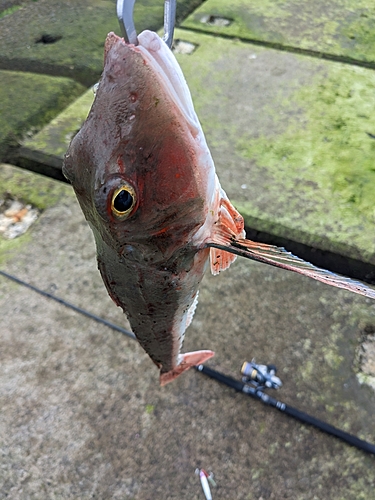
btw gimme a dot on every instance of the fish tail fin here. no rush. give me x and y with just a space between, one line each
188 360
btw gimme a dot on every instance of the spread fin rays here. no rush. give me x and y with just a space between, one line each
279 257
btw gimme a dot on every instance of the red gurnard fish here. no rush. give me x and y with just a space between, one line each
146 183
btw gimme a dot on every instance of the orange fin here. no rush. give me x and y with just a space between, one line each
233 221
227 240
188 360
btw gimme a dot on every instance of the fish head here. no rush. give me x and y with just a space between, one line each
140 165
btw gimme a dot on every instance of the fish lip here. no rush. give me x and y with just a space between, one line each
110 41
160 58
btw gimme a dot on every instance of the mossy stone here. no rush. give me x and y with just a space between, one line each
53 140
67 38
292 138
29 101
338 28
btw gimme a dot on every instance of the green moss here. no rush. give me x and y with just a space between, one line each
149 409
77 24
29 101
54 139
34 189
82 28
324 165
334 28
332 358
9 11
9 247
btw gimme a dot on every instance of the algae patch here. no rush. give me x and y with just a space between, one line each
54 139
29 101
322 167
31 188
9 11
292 139
332 148
333 28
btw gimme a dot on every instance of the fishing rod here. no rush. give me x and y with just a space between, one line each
256 378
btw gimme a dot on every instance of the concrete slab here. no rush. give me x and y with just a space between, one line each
47 147
29 101
340 29
82 415
38 191
292 138
67 38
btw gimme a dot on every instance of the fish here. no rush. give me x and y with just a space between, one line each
145 180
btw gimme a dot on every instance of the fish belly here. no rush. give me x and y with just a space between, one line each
157 301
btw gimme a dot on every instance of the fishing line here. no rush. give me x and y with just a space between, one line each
65 303
239 386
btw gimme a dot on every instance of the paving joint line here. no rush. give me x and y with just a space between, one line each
286 48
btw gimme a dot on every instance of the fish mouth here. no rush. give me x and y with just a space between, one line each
160 58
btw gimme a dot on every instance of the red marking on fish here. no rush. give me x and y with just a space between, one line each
142 136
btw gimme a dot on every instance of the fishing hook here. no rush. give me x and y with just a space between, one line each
125 16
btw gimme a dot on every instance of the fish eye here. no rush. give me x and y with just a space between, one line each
123 201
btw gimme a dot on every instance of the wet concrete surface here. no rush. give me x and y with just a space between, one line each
83 416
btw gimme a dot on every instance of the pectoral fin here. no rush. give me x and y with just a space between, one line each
233 221
225 239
